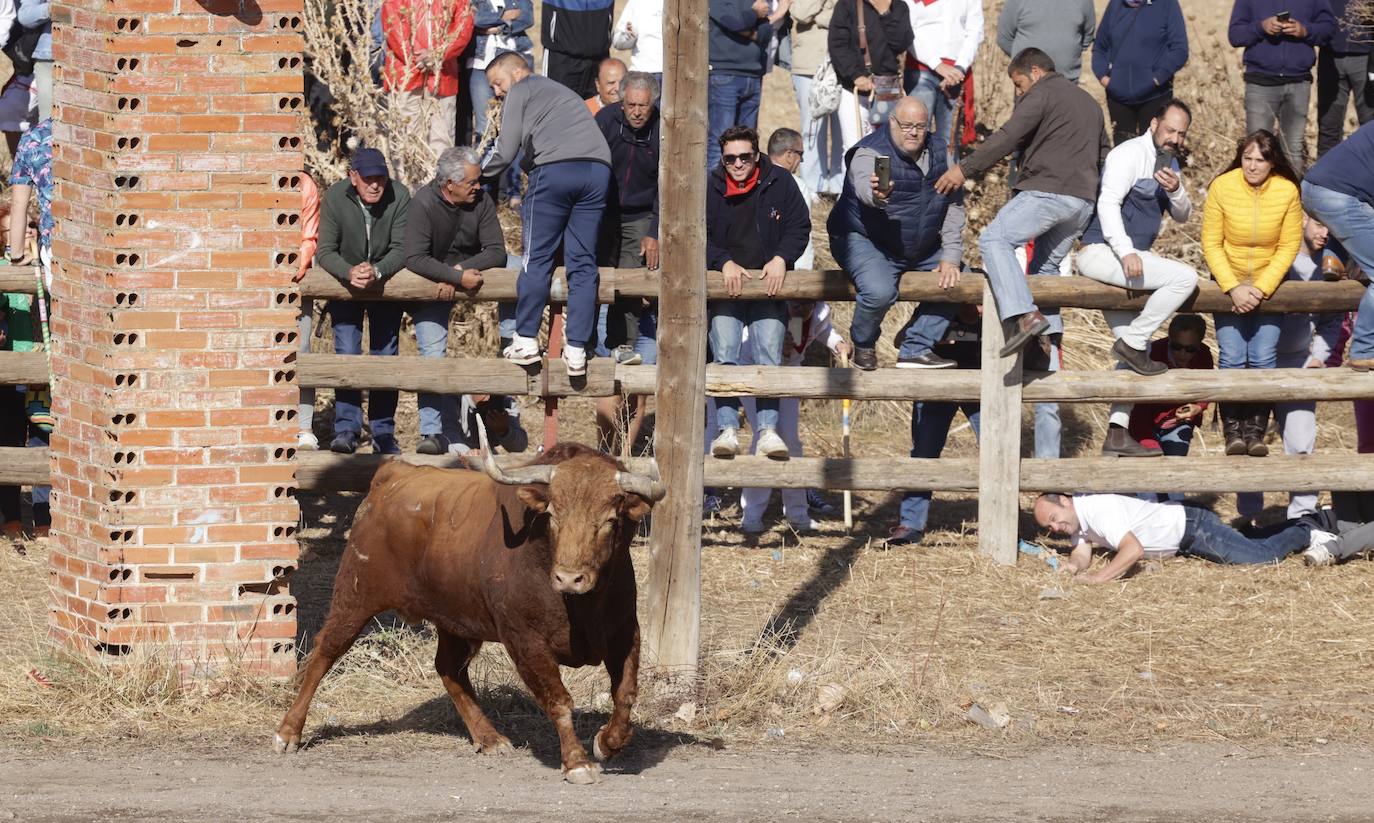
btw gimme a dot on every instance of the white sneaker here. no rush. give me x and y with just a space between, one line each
770 445
726 444
575 357
802 527
522 351
307 441
1319 547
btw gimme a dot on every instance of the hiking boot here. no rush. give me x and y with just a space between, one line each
770 445
522 351
575 358
1029 326
344 443
1138 361
1119 443
903 536
865 359
1319 550
1253 427
626 356
927 360
726 444
432 444
1231 428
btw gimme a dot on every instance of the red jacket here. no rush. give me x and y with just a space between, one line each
414 26
1148 418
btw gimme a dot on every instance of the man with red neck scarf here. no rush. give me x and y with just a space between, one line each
757 225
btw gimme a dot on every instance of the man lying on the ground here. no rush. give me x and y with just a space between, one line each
1133 529
1351 523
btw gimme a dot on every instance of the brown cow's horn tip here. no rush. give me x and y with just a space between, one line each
522 476
645 487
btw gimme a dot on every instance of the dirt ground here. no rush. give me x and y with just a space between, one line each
440 778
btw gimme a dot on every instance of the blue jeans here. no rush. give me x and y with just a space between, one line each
563 207
1247 340
384 326
1351 221
480 90
1053 221
767 321
823 164
924 85
1205 536
875 274
646 344
732 100
930 429
431 337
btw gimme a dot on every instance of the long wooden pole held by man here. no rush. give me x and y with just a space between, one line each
673 604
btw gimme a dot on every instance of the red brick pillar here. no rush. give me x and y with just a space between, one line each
177 156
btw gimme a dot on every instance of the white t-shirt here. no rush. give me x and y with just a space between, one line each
1105 519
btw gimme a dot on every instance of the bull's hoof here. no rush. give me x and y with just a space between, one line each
497 746
583 775
599 749
286 745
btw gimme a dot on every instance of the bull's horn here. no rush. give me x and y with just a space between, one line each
522 476
646 487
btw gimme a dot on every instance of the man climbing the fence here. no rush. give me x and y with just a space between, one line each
1065 139
452 234
569 178
1141 182
362 244
881 228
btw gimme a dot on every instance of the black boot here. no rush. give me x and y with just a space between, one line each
1231 428
1255 425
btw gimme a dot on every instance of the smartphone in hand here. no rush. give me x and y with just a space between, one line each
1164 160
882 166
1283 16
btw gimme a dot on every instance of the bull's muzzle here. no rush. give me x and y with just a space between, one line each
573 581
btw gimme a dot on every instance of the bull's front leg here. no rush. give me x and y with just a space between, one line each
622 664
539 669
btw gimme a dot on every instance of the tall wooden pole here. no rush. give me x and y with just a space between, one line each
999 448
672 629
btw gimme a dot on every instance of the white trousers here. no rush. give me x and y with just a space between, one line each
1169 282
853 114
754 502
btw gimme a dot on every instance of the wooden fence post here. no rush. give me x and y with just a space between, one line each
673 625
999 446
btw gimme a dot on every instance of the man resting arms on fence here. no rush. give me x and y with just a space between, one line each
569 169
1134 529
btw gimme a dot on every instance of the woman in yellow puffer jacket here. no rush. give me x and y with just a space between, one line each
1251 233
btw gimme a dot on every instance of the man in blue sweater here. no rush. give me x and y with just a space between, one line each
1339 191
1140 46
1343 67
569 169
739 37
1280 38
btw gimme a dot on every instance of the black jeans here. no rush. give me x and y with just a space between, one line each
1340 77
14 433
619 246
1132 119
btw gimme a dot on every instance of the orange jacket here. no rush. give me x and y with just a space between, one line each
415 26
310 224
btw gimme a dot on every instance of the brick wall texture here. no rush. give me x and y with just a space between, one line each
177 156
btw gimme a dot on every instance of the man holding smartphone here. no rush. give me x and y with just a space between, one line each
1141 182
890 219
1280 38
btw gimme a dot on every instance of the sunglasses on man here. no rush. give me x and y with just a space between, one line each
737 159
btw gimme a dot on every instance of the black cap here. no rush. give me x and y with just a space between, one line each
369 163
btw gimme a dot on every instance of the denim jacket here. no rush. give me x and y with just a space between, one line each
487 13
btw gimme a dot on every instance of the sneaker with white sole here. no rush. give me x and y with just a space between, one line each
1319 547
522 351
575 358
726 444
770 445
307 441
802 527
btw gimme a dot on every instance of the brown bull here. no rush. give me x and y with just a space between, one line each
537 559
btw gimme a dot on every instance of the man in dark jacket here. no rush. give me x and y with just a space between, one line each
877 233
1278 58
1139 48
452 234
1343 69
362 233
1060 127
738 49
576 35
756 221
886 28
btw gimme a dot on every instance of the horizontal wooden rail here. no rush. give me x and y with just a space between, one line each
23 368
321 472
17 279
833 284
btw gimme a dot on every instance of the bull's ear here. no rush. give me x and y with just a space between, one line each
536 497
634 507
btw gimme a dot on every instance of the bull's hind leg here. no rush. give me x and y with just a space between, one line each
345 621
451 662
539 669
622 664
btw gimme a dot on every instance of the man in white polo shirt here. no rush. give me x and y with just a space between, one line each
1134 529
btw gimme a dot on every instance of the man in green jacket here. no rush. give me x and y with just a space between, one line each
362 232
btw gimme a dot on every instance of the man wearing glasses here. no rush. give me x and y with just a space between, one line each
756 221
1141 182
452 234
879 231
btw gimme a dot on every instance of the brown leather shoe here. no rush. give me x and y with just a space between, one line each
1136 360
1029 326
1119 443
1362 365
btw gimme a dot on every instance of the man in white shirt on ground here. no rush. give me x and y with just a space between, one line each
1141 182
1135 529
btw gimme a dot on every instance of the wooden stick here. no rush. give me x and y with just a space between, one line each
844 437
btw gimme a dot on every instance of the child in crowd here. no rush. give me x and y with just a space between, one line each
1168 426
